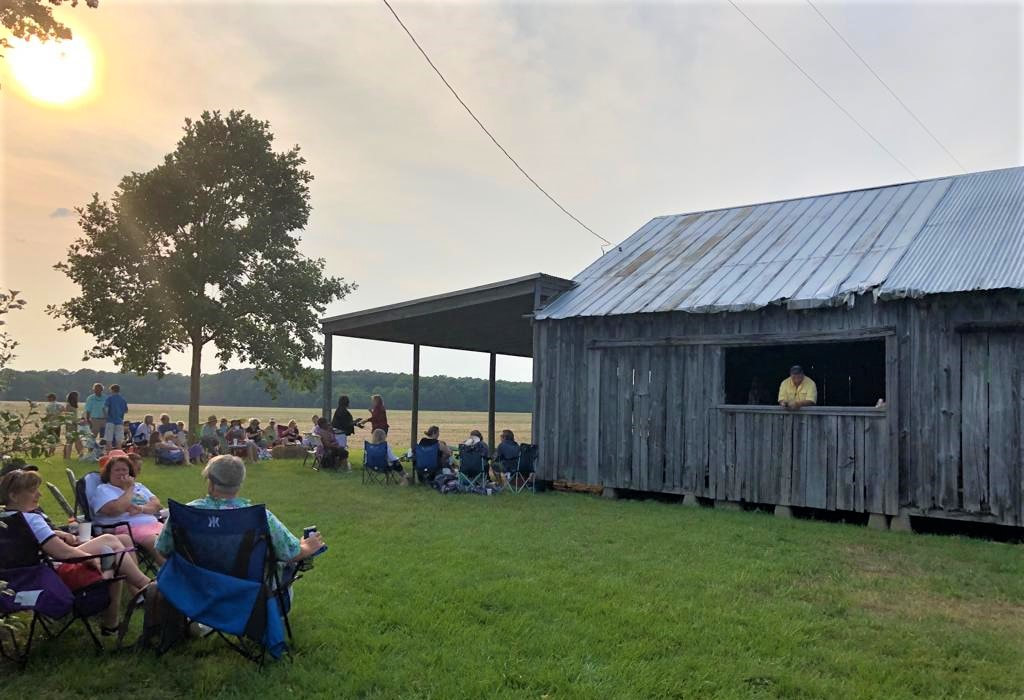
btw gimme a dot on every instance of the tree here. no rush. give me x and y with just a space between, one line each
203 249
9 301
25 19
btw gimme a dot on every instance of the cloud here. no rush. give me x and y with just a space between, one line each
61 213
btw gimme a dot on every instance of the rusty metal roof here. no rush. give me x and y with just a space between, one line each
949 234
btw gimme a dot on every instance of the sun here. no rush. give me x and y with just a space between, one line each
53 72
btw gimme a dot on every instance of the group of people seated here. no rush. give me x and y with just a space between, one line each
169 442
127 515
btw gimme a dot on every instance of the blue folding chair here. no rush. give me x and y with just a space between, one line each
426 462
376 469
224 573
472 466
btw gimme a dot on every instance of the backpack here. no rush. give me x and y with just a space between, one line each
162 624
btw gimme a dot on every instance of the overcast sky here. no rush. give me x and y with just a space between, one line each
622 111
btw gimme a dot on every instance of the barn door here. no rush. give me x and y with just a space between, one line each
630 417
992 424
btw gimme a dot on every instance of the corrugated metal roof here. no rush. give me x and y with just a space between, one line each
945 235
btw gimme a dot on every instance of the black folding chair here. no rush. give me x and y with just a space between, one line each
524 475
37 589
472 466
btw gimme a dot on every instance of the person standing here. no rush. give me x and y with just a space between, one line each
115 408
378 414
343 426
95 410
52 420
71 435
798 390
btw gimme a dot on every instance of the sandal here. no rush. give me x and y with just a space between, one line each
109 631
140 596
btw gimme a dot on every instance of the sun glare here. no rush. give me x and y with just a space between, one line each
53 72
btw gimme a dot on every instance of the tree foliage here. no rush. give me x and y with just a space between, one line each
239 387
26 19
9 301
204 249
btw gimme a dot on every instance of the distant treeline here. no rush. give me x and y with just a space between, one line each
240 388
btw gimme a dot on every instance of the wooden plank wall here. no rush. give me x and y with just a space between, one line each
942 438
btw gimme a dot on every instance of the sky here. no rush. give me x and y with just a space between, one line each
623 111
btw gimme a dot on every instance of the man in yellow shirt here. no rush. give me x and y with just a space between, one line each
798 390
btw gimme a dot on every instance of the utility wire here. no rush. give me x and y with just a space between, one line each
822 89
489 134
886 86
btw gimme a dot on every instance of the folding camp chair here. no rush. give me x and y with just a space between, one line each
376 469
426 462
223 573
61 501
315 450
472 466
36 588
85 489
524 476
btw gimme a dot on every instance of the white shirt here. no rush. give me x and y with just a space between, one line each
143 432
40 529
105 493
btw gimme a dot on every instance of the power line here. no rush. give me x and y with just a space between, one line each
822 89
489 134
886 86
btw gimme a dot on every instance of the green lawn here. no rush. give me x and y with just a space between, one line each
560 595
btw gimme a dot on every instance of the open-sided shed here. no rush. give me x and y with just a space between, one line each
494 318
658 370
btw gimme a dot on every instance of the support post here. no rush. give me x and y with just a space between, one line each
490 402
328 377
415 428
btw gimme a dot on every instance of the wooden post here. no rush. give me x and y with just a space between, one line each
415 428
328 378
490 403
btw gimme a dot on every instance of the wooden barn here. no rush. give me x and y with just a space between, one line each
658 371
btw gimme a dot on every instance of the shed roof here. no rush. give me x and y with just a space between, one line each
951 234
490 318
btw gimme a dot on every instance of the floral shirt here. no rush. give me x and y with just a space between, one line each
286 545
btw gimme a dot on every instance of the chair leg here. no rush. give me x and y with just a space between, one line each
95 640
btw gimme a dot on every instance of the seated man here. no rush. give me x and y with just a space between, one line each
798 390
224 477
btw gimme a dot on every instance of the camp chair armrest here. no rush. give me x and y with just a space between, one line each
78 560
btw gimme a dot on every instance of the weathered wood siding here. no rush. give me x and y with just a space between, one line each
643 415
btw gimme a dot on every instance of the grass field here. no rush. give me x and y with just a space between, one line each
569 596
455 425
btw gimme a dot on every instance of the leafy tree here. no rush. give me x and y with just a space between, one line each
203 249
9 301
25 19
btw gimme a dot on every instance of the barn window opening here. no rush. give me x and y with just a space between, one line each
846 373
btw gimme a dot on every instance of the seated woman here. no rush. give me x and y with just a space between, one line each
168 451
432 436
254 432
238 442
166 426
291 435
270 437
332 454
507 454
378 437
19 490
119 498
142 439
208 437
